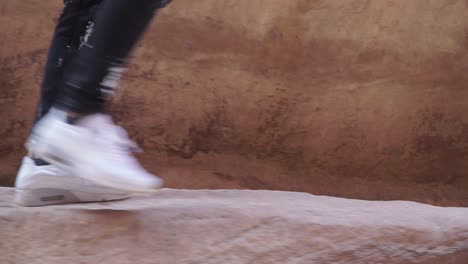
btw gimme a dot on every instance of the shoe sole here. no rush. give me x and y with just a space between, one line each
44 197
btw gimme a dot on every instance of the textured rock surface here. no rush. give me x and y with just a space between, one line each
176 226
359 98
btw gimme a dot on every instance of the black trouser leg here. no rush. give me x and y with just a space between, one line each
73 27
96 68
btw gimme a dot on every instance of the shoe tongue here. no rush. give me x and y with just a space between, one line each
94 121
59 114
103 124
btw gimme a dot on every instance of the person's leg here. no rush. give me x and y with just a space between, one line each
75 135
39 183
73 27
93 74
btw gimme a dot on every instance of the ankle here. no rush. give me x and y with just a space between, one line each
67 116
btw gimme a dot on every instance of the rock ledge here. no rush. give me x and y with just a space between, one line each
233 226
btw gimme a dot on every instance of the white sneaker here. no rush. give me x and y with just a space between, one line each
48 184
94 148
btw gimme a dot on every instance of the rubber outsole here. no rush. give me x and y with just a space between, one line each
44 197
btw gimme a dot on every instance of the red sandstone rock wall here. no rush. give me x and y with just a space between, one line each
363 99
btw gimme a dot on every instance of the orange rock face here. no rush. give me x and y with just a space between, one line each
361 99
